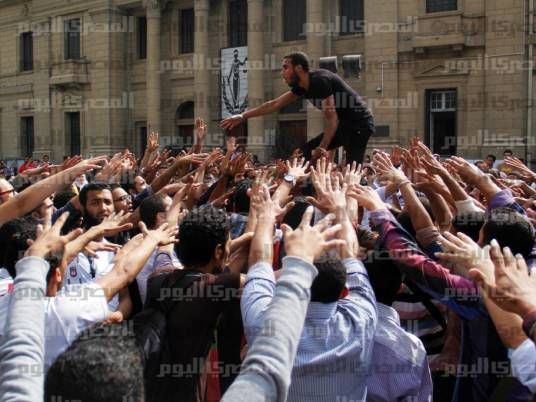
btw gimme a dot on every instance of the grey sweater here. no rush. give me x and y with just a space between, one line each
22 346
265 374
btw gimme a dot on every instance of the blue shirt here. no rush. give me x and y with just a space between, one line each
399 367
335 346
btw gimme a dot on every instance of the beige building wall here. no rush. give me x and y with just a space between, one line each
480 50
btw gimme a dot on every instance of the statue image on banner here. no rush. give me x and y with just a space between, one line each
234 85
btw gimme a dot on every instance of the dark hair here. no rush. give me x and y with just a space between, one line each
294 216
507 151
384 276
103 365
299 59
201 231
62 198
91 187
240 200
14 236
510 229
492 157
330 281
469 223
150 207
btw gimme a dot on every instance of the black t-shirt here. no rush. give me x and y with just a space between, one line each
349 105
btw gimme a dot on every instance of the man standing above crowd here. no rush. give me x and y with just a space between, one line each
348 120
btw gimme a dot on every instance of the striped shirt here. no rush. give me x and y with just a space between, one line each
398 368
333 355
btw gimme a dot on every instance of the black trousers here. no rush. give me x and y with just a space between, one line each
353 138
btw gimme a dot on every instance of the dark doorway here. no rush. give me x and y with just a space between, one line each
441 119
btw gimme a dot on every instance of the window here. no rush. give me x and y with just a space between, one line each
187 31
434 6
351 16
238 23
27 135
72 128
142 38
293 20
184 120
292 135
26 52
72 39
441 121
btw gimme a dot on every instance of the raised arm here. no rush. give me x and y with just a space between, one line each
266 108
34 195
128 265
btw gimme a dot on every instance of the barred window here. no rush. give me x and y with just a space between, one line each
351 16
434 6
72 39
238 23
26 44
187 31
293 20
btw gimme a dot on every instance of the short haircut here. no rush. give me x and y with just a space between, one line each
298 59
330 281
150 207
510 229
294 216
200 232
91 187
469 223
103 365
384 276
14 236
492 157
240 200
62 198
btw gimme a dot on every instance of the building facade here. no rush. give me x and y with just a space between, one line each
97 76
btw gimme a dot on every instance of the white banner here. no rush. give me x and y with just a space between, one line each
234 80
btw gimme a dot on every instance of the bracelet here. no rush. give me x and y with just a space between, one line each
529 323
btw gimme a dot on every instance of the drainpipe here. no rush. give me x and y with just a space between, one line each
529 145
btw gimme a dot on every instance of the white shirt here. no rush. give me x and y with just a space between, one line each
85 269
524 364
6 282
74 309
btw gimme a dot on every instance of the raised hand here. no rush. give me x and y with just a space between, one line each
330 195
49 240
352 174
468 172
508 283
113 224
200 130
309 242
297 168
231 122
462 254
152 142
163 235
385 168
366 197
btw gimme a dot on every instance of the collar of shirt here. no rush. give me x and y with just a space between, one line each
320 311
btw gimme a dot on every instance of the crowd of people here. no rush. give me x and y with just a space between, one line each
208 276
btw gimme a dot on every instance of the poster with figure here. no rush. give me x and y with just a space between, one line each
234 80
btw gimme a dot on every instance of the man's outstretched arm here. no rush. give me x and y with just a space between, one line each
266 108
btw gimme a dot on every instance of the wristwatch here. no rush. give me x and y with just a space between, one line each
291 179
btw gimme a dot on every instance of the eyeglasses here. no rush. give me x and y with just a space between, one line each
126 197
12 191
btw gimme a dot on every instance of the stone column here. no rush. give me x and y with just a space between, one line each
256 130
201 54
44 143
154 22
315 49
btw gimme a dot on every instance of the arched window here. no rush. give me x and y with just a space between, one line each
184 121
